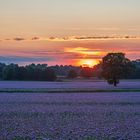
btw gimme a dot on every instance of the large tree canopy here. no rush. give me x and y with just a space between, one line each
116 66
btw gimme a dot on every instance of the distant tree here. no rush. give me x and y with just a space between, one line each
86 72
64 70
10 72
49 75
113 67
72 74
1 70
97 71
21 73
136 73
116 66
30 72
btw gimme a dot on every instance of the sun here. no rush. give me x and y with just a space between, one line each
88 62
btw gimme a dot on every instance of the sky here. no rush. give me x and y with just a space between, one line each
73 32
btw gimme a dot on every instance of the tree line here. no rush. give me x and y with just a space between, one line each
114 66
31 72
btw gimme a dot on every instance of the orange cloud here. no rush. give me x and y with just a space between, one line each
85 51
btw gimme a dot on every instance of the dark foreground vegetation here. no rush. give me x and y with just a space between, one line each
114 66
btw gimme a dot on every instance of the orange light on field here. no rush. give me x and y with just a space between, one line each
88 62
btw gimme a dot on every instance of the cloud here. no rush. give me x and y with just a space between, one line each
19 39
82 38
104 37
66 52
85 51
22 39
58 39
72 38
18 59
8 39
44 53
80 56
35 38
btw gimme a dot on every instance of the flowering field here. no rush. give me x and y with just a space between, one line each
70 116
67 85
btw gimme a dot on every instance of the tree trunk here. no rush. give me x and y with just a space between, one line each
115 82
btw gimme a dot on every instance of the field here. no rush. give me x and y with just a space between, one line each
74 86
131 84
69 116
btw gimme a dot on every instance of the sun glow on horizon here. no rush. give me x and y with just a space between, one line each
88 62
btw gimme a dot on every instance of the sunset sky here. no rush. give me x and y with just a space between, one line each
73 32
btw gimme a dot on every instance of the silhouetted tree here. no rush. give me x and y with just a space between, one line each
41 72
64 70
97 71
21 73
29 72
116 66
72 74
86 72
1 70
49 75
10 72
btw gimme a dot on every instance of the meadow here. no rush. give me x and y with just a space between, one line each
69 86
69 116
